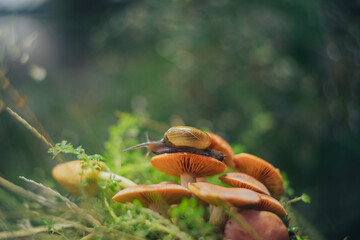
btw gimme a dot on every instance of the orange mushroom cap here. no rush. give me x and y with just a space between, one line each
71 175
270 204
242 180
213 194
176 164
266 225
165 194
262 171
219 144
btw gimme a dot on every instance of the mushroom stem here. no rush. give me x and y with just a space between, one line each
186 178
201 179
218 216
234 210
122 181
159 208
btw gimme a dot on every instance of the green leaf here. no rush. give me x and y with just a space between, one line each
305 198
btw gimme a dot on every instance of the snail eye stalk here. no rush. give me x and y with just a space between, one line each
145 144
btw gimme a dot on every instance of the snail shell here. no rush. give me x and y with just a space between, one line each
183 136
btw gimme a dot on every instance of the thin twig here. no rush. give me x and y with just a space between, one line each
42 200
89 236
113 215
294 200
15 95
163 224
2 105
40 216
28 126
35 230
82 213
167 229
119 234
50 191
7 86
20 191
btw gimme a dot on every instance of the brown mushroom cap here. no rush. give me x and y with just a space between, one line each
262 171
270 204
165 194
266 224
242 180
213 194
176 164
69 176
219 144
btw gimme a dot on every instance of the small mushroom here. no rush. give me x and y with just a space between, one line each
242 180
262 171
187 166
71 176
215 195
155 196
259 225
219 144
268 203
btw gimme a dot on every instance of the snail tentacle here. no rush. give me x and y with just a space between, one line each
150 145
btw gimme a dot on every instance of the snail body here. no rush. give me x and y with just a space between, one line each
182 139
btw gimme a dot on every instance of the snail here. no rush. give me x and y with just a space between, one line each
182 136
182 139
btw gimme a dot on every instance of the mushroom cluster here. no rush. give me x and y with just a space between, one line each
184 152
248 209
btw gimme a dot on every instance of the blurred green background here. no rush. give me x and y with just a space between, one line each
280 78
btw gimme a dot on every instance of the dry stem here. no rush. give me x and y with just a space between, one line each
29 127
35 230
